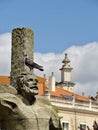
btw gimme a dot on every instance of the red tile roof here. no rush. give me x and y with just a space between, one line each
59 92
41 86
4 80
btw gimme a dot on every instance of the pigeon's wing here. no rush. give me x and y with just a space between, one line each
37 66
28 62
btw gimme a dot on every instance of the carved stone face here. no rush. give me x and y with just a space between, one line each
26 85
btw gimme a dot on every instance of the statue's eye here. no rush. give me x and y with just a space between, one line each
30 79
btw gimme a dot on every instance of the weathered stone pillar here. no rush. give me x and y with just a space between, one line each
22 43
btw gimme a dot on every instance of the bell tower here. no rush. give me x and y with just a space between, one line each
66 82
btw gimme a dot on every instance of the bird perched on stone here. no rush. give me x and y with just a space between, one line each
32 65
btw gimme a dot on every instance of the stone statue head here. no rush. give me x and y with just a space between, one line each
26 85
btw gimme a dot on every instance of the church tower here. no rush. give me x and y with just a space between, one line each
66 69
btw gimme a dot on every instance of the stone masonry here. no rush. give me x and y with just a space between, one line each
22 43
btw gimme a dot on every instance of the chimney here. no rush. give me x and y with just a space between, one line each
52 82
96 96
47 89
82 93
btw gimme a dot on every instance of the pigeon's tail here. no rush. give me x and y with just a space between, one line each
41 69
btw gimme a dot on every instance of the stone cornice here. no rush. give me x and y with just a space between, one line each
76 110
66 69
68 84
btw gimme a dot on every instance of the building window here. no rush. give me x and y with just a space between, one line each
65 125
82 127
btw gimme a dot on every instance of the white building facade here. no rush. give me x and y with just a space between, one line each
76 112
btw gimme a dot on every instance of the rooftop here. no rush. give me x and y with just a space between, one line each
59 92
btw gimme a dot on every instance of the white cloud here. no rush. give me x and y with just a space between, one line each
5 53
51 63
83 60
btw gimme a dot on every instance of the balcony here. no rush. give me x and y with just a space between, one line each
74 103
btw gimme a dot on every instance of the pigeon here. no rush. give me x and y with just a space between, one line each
32 64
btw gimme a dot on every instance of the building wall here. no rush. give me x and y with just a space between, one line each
67 76
75 118
41 89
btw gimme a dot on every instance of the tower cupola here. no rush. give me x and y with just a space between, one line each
66 60
66 82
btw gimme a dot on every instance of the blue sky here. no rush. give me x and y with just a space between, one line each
57 24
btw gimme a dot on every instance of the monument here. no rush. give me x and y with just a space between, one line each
22 43
20 106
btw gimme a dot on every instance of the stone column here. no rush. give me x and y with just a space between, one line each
22 43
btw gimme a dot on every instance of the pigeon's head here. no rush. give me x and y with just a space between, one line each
25 55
